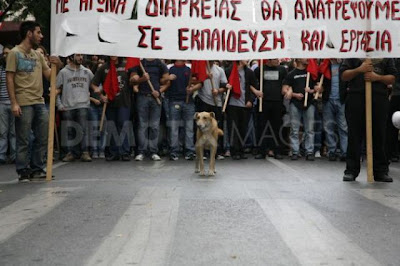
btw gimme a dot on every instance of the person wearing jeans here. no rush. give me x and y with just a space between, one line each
148 110
7 121
180 111
294 88
24 71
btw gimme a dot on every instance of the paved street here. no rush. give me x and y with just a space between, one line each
161 213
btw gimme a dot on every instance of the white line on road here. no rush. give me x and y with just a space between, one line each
311 237
387 197
289 170
20 214
145 232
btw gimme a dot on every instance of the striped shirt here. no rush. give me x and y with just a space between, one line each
4 99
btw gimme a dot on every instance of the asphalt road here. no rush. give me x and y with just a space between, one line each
252 212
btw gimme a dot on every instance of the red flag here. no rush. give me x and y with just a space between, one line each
312 68
111 85
325 68
234 80
199 70
131 62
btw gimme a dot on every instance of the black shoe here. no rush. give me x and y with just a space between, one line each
310 157
236 157
349 178
126 157
343 158
112 158
332 157
259 156
395 159
383 178
242 156
24 178
278 157
294 157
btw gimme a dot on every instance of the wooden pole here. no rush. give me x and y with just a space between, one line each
321 81
150 84
260 108
226 100
368 117
212 83
50 142
307 85
103 115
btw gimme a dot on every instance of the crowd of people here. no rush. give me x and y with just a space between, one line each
275 109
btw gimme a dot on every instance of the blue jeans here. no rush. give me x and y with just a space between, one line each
317 130
334 116
7 132
118 130
96 145
181 114
149 114
35 118
75 121
307 115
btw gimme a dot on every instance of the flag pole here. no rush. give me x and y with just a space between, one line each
212 83
260 106
50 142
321 81
307 85
103 115
150 84
226 100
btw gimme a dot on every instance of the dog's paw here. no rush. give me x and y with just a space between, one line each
197 171
202 173
211 173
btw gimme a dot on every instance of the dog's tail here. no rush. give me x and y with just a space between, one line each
220 132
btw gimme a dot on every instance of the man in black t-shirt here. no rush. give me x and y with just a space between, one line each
381 73
294 88
271 115
148 110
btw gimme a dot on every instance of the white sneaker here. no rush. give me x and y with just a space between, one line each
155 157
317 154
101 155
139 157
220 157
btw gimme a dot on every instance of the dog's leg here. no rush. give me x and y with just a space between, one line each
197 167
201 155
213 151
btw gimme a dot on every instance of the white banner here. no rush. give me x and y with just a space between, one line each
226 29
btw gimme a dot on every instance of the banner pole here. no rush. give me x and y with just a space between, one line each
150 84
50 141
368 117
321 81
260 106
306 93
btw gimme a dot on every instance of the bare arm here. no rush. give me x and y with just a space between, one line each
15 108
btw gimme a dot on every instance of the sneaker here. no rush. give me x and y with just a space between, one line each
317 154
189 157
101 155
227 154
68 158
220 157
260 156
139 157
155 157
39 175
126 157
95 155
236 157
294 157
173 157
278 157
86 157
24 178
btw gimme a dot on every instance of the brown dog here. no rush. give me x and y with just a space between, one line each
206 138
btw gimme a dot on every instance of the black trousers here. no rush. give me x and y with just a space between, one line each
392 146
238 121
269 125
355 116
204 107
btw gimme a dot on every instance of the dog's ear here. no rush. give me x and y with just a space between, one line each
212 114
196 115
